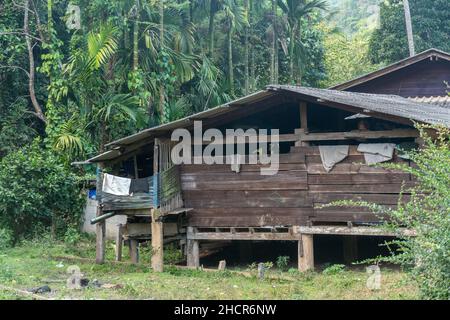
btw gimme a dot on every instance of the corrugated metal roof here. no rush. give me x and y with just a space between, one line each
385 104
443 102
187 121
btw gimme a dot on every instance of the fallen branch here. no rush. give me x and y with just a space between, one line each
24 293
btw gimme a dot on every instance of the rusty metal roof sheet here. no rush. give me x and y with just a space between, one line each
443 101
384 104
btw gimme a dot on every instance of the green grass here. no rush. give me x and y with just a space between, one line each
33 264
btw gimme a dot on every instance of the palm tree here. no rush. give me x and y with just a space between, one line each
135 10
214 7
294 11
274 36
235 20
91 67
247 50
409 30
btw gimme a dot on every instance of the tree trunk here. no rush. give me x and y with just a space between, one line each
409 30
161 39
299 66
31 74
136 38
272 52
291 56
212 13
275 42
246 59
230 61
252 52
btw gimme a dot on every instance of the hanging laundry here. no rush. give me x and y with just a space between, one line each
331 155
141 185
377 152
116 185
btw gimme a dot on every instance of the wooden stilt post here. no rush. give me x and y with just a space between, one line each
134 251
157 243
192 250
100 229
305 253
304 116
350 246
303 123
100 232
119 242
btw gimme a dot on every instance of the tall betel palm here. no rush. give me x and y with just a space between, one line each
90 67
235 20
409 30
294 11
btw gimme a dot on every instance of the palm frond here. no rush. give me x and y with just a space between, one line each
101 45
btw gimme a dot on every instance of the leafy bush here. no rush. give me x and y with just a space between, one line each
172 254
334 269
37 190
425 254
282 262
72 235
6 238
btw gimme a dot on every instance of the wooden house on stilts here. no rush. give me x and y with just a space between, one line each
198 202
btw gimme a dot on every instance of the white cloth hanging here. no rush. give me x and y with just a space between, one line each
377 152
331 155
116 185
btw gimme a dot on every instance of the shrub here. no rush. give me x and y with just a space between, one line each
334 269
427 211
37 190
282 262
72 235
6 238
172 254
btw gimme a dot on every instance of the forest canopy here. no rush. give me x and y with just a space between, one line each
80 73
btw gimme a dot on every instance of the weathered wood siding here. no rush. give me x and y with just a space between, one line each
423 79
222 198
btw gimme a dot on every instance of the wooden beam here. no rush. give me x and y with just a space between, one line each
357 134
269 236
304 116
157 243
136 171
119 242
306 253
361 231
303 124
134 250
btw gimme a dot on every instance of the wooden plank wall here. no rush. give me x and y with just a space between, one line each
426 78
223 198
